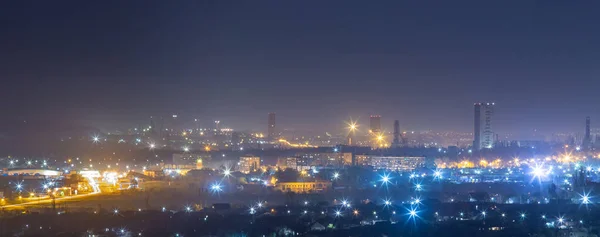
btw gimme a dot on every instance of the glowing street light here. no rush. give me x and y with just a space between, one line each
227 172
417 201
252 210
186 149
95 139
483 213
418 187
338 213
413 213
336 175
152 145
385 179
216 188
539 172
585 198
355 212
19 187
437 174
387 202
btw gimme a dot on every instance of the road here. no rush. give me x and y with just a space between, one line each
49 200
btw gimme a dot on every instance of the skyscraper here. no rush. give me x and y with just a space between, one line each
271 127
587 139
375 123
483 136
396 133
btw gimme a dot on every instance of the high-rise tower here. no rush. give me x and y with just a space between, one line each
483 136
271 127
396 142
396 132
375 123
587 139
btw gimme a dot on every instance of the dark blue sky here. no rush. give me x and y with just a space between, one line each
315 63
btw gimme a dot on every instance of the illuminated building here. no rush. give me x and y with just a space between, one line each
249 164
287 162
362 160
199 164
399 163
375 124
483 136
303 187
334 159
587 139
396 141
271 133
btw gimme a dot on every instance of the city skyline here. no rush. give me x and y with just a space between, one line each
299 118
328 67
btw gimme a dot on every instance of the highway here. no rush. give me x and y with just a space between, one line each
49 200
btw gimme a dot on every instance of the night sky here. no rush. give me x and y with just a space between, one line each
111 64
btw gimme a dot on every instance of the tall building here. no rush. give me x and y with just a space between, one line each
483 135
375 123
396 142
249 164
399 163
271 134
587 138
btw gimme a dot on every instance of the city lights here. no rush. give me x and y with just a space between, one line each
385 179
416 201
336 175
19 186
216 188
413 213
338 213
539 172
585 198
437 174
345 203
227 172
418 187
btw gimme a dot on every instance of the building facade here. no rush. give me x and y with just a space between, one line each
303 187
375 124
483 135
249 164
397 163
